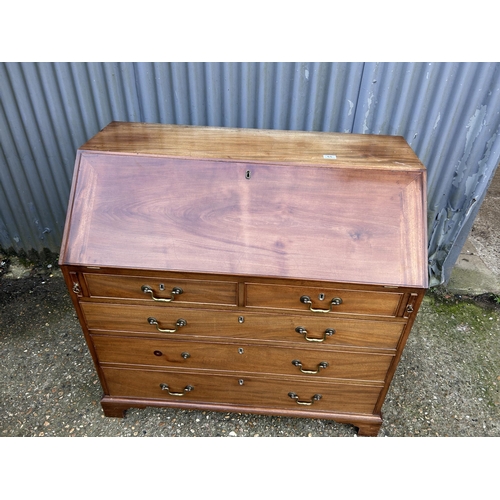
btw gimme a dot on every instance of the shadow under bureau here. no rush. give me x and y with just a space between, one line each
244 270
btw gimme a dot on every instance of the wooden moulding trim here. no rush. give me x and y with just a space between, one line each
342 418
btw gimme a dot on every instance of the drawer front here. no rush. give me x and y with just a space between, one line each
309 363
305 330
253 390
160 290
313 300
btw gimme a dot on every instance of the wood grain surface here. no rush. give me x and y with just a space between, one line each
258 391
258 327
352 301
241 357
330 224
193 291
243 144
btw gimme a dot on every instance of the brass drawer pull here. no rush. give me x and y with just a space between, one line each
179 324
188 388
175 291
305 299
323 365
328 332
316 397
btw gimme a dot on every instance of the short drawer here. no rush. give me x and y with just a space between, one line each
305 330
241 357
251 391
323 300
160 290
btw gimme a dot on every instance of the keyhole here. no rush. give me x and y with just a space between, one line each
248 174
321 296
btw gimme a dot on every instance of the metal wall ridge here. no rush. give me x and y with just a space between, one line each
448 112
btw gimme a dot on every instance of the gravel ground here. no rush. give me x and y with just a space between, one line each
447 383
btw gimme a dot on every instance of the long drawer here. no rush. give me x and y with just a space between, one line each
161 290
310 363
305 329
323 300
254 390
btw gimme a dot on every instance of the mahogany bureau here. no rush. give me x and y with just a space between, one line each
262 271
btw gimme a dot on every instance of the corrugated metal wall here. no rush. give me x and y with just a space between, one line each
448 112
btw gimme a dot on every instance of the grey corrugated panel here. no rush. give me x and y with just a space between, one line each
26 158
468 160
294 96
448 112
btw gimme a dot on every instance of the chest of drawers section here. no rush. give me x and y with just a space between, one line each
237 345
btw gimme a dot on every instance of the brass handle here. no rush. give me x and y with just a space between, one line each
323 365
316 397
328 332
305 299
179 324
188 388
175 291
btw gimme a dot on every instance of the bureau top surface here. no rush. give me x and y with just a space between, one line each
249 202
290 147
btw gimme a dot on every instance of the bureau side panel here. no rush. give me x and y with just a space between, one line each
73 282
